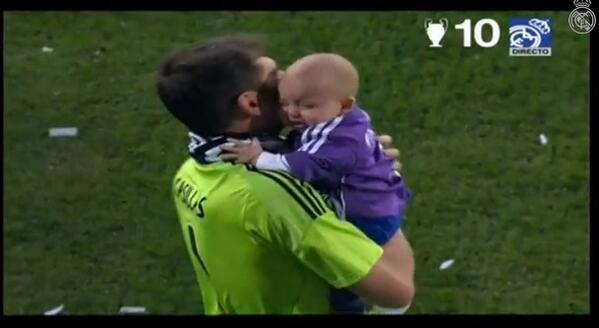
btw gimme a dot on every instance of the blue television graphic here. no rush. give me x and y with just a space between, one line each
530 36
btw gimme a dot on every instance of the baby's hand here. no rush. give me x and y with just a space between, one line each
241 152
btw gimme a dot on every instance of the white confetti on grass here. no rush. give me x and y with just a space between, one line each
63 132
543 139
55 310
446 264
47 49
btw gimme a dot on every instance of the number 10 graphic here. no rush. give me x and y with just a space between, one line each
436 32
478 32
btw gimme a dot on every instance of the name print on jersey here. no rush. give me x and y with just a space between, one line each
190 197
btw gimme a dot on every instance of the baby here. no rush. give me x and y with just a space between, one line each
338 152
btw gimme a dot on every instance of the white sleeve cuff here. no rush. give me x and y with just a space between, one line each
270 161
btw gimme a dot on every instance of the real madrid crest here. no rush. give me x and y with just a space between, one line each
582 19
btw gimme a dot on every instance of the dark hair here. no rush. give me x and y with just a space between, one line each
200 85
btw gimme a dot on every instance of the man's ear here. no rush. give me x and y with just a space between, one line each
347 104
248 103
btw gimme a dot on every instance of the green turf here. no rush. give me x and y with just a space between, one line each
89 221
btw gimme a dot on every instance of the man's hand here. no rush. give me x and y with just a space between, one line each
241 152
387 143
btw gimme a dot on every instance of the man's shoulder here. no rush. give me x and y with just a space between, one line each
235 178
184 170
262 183
186 166
281 192
264 188
229 178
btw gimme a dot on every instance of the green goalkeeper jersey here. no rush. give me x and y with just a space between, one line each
264 242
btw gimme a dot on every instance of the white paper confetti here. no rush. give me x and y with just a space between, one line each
132 309
63 132
47 49
55 310
543 139
446 264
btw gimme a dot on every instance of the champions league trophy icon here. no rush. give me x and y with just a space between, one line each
582 19
436 31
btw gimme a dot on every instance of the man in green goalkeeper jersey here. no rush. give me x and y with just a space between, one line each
260 241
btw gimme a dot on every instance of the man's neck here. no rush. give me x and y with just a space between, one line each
241 127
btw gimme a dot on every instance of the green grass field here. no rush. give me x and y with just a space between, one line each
89 221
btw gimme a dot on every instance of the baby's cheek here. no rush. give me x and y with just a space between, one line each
309 118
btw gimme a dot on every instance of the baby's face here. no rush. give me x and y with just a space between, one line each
307 104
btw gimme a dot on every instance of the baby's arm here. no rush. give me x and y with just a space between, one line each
251 152
327 161
270 161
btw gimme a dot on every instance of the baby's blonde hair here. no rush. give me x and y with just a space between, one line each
319 67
